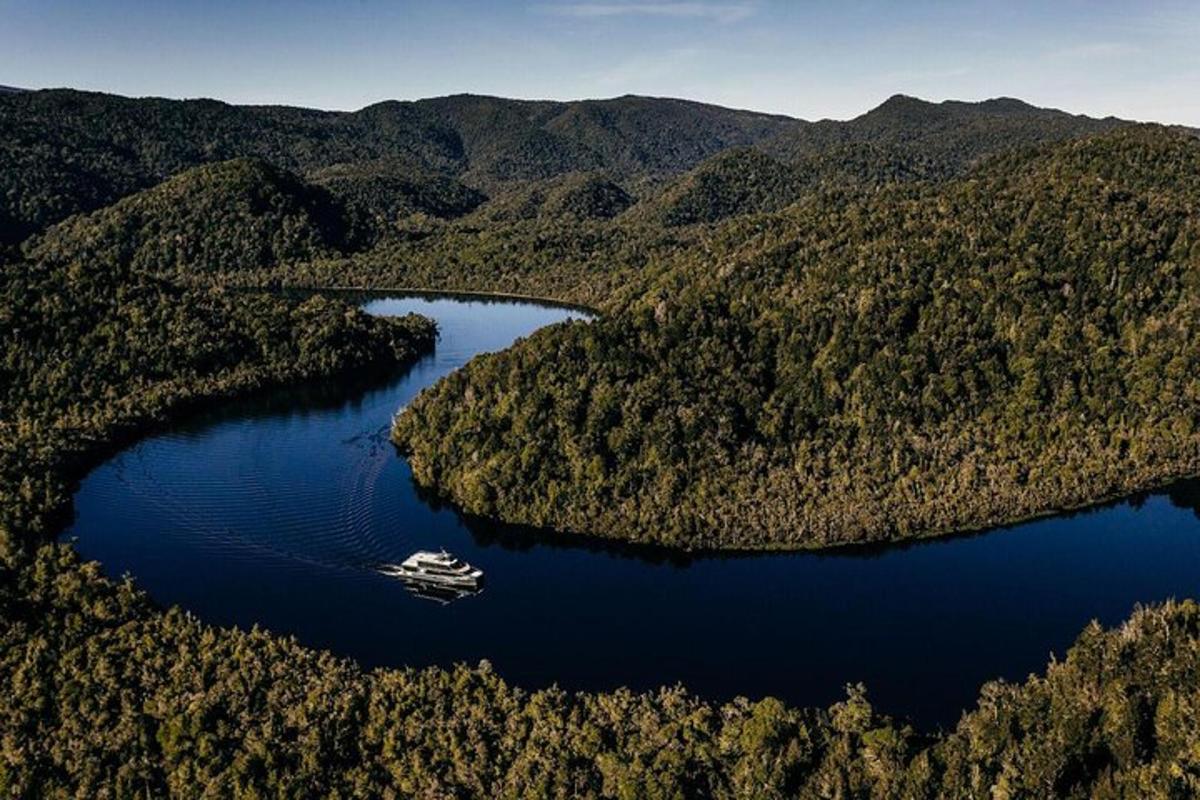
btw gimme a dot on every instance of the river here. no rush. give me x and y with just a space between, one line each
276 510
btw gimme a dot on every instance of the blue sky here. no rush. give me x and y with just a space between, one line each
1135 59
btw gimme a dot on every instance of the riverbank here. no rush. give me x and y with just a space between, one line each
464 294
300 495
859 369
74 640
42 456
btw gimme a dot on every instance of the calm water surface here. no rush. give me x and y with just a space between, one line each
275 511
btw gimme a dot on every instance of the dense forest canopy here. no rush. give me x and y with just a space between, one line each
93 353
112 697
904 139
812 333
922 359
239 214
949 135
64 151
386 190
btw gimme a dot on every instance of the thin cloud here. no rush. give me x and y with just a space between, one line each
717 12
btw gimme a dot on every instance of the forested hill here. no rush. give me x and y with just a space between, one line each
916 360
65 151
239 214
904 139
947 131
926 354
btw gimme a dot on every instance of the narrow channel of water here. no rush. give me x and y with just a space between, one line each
274 510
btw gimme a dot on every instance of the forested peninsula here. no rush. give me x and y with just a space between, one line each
931 316
922 359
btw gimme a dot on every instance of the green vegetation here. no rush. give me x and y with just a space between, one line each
63 152
742 181
916 360
574 197
96 346
108 696
379 194
856 331
589 262
235 215
905 139
936 140
89 361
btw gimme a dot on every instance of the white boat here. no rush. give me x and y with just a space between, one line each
435 569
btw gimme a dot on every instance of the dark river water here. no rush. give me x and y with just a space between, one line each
276 511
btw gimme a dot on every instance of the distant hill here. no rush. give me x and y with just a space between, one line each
901 140
380 192
574 196
737 181
861 366
242 214
64 151
950 128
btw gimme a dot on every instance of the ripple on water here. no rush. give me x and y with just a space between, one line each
274 511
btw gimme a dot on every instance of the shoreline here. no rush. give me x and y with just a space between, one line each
462 293
867 548
587 540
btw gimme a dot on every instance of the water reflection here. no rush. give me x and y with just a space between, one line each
442 595
278 511
1186 495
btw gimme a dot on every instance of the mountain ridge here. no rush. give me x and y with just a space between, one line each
63 151
919 359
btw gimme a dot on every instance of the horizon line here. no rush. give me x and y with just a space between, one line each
7 89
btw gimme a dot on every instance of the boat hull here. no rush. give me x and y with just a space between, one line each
469 581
